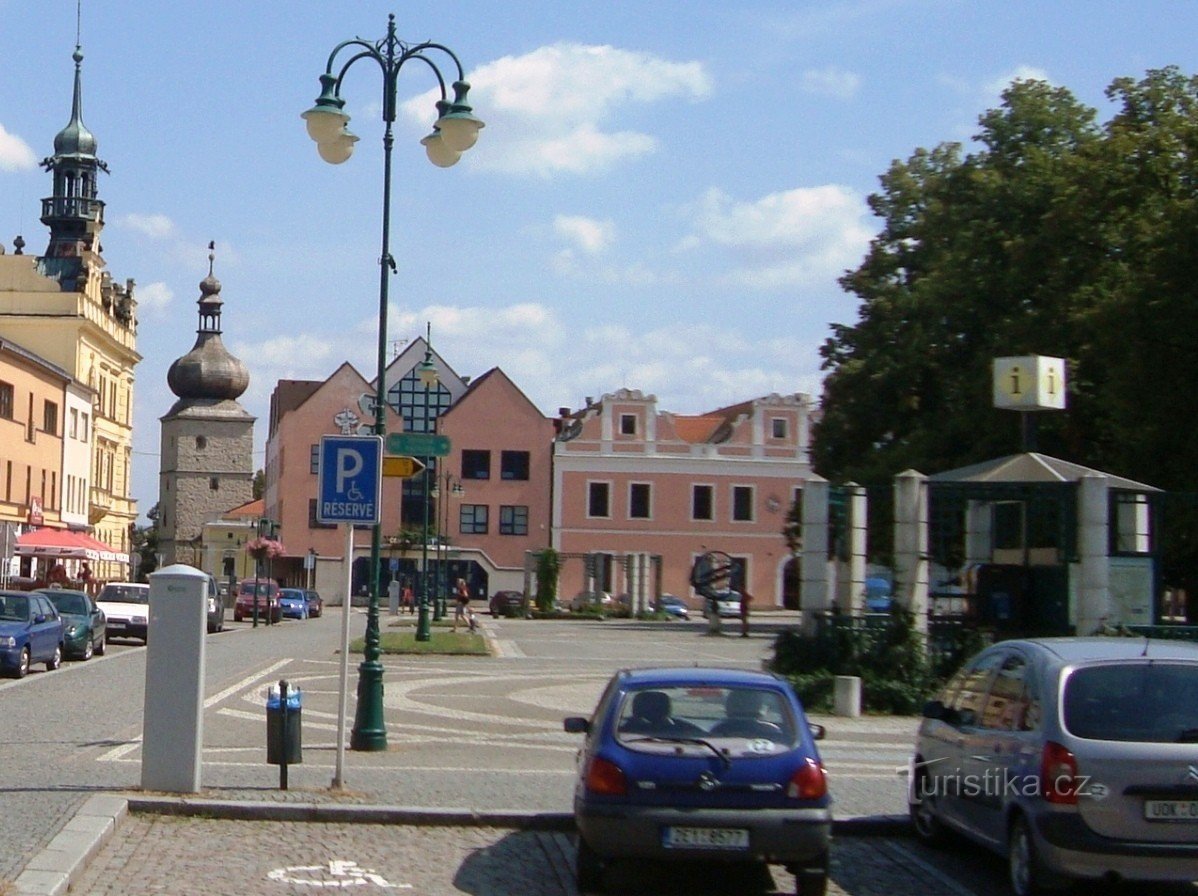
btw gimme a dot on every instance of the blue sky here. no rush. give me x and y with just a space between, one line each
662 199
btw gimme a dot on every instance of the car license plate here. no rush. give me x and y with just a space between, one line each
116 625
1171 810
705 838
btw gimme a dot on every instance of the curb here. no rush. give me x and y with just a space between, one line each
51 872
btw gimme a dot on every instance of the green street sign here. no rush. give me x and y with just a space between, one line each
417 444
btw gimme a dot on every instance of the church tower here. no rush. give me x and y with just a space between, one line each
65 307
207 437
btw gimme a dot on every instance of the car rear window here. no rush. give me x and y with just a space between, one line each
126 594
1147 702
707 712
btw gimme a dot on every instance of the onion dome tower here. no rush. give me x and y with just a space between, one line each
207 440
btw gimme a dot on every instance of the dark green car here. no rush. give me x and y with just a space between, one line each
83 622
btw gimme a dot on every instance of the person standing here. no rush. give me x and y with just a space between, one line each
745 599
409 599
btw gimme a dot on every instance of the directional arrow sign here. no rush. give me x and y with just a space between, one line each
417 444
401 467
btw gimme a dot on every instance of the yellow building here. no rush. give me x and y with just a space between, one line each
65 307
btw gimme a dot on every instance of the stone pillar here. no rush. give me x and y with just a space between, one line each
858 546
817 596
911 544
1093 540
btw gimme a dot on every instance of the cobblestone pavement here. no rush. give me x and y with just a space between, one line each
200 857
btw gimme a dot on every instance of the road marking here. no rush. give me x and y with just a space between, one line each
343 874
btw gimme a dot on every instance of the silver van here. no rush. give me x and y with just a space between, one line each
1076 758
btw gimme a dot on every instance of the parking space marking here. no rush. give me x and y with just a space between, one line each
343 874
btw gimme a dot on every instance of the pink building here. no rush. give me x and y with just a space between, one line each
628 478
301 411
502 449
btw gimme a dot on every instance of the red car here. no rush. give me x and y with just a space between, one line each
268 600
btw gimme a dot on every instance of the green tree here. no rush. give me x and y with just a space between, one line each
259 484
1056 236
549 565
143 542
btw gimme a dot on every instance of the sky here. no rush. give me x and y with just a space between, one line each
663 198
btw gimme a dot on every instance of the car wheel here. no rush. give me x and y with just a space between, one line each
1026 874
102 646
22 664
55 661
88 649
927 825
589 869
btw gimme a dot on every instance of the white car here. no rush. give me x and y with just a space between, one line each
727 604
127 606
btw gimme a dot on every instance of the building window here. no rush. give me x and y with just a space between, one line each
50 418
514 465
473 519
778 425
702 503
476 464
214 483
201 443
312 521
6 394
83 424
314 459
742 503
598 499
513 520
628 424
639 494
74 423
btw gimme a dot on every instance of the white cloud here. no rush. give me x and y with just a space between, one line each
805 236
588 234
995 87
549 111
15 153
153 299
154 226
831 81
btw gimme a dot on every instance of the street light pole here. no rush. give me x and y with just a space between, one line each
455 131
427 371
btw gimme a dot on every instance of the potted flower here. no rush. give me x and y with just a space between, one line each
263 548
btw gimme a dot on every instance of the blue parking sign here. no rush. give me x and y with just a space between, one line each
350 480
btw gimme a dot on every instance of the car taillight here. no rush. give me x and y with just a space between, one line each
1058 775
810 782
605 777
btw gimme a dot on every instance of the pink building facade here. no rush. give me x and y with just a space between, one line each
629 478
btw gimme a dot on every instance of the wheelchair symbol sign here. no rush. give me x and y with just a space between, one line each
350 480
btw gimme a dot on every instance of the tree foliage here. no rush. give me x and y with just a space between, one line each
1057 235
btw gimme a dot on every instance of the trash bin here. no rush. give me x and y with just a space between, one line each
284 713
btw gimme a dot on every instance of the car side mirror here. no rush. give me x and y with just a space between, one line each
818 732
576 725
39 618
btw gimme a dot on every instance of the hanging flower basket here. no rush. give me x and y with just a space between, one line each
262 548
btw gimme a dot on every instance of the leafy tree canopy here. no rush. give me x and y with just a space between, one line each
1058 236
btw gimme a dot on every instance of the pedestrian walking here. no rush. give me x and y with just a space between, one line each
745 599
409 600
461 605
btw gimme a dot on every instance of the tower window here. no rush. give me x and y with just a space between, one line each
201 443
214 483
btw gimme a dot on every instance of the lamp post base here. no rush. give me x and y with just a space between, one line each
369 732
423 630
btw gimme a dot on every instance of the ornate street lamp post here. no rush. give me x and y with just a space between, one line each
427 371
445 485
455 131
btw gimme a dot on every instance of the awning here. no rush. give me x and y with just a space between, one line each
66 545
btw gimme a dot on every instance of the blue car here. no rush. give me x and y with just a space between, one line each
294 603
672 605
31 631
687 764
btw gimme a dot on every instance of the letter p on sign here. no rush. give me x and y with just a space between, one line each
349 465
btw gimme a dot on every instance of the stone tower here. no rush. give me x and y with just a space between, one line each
207 437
